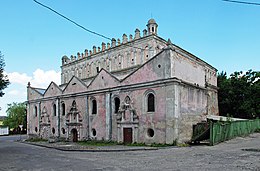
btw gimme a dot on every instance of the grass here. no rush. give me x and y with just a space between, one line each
97 143
109 143
36 140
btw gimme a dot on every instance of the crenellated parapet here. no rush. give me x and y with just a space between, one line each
120 54
151 29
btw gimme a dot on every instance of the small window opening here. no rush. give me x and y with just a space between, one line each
36 129
63 130
150 132
94 107
159 66
35 110
94 132
152 29
63 108
150 103
53 130
117 104
54 109
97 69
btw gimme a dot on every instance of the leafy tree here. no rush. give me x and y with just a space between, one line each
239 95
4 82
16 115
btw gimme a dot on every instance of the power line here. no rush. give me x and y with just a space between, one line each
242 2
84 28
63 16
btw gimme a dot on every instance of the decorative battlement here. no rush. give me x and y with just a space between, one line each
152 30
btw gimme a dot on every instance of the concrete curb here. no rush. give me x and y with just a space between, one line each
95 150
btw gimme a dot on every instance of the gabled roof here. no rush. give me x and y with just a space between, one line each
50 88
81 86
35 93
155 68
103 79
40 90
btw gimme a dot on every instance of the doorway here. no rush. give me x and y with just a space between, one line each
74 134
128 135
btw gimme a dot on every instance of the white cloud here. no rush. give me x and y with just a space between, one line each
40 78
14 92
18 78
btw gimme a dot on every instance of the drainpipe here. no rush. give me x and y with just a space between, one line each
87 119
58 100
110 117
39 117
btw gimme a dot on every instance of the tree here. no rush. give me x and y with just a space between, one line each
239 95
16 115
4 82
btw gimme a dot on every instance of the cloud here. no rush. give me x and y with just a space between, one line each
40 78
18 78
14 92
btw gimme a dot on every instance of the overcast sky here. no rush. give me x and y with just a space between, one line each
34 39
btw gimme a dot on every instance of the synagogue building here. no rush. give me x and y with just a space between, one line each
140 88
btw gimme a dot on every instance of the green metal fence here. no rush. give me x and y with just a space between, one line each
222 131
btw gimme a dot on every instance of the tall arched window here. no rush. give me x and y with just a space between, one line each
117 104
150 102
54 109
63 109
94 106
35 111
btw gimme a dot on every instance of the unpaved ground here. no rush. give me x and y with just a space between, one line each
236 154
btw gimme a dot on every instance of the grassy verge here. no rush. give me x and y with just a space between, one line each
36 140
97 143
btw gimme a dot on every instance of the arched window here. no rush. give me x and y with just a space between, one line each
117 104
35 111
63 130
54 109
63 110
94 106
94 132
53 130
150 102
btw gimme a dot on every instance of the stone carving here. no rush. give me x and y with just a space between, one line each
45 118
73 116
126 112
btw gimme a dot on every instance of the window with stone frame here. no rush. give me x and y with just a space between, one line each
117 104
35 111
63 109
54 109
150 102
94 107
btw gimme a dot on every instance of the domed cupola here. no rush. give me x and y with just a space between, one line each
152 27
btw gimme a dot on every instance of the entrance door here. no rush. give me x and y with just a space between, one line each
128 135
74 133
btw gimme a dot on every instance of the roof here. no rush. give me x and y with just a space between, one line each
152 21
223 118
40 90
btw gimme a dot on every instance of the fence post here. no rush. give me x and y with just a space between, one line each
211 133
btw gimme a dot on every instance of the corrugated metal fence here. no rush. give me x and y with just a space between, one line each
4 130
222 131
